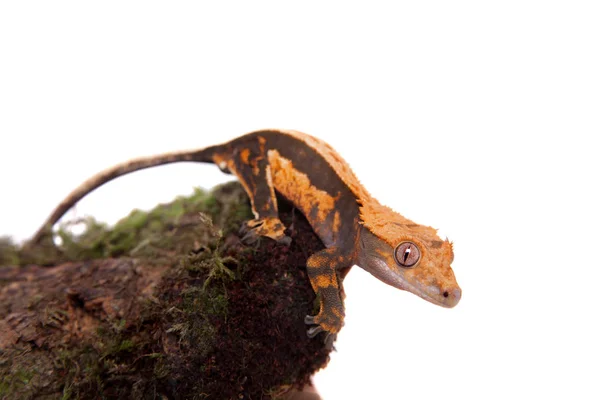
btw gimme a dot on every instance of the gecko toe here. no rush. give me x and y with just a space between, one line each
314 331
329 340
250 238
309 320
285 240
250 226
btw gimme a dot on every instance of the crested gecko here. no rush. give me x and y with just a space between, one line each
354 227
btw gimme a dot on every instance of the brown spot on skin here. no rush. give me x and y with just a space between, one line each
255 167
297 188
261 143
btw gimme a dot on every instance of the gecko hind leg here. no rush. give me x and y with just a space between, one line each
252 169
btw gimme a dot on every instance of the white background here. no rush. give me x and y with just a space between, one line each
478 118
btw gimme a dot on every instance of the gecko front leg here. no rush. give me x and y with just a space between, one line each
323 268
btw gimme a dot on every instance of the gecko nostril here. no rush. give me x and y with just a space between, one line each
446 294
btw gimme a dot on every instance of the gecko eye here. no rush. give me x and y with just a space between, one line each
407 254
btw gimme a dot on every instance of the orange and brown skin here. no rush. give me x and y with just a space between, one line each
355 228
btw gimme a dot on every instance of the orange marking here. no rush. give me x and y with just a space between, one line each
339 165
297 188
271 187
337 312
316 260
272 227
325 281
329 327
219 159
384 222
245 155
336 222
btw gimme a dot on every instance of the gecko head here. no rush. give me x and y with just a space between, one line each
410 257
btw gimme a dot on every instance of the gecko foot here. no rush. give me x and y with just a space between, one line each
313 331
270 227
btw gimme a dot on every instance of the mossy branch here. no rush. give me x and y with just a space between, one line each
166 304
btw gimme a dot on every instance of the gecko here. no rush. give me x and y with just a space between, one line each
354 227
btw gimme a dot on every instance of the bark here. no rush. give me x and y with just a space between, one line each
167 304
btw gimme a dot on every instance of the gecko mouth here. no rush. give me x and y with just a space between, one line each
443 299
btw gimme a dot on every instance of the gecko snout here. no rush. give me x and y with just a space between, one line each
452 296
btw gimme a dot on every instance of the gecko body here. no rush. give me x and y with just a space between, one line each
354 227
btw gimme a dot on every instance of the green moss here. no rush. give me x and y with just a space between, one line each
89 245
161 369
21 374
85 367
17 380
9 251
125 345
192 323
209 259
205 302
152 235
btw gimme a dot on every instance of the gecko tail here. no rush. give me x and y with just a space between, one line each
116 171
